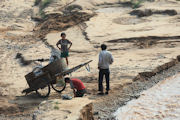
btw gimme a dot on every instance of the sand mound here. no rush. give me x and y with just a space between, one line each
60 22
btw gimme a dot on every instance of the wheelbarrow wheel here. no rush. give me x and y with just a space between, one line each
59 87
43 92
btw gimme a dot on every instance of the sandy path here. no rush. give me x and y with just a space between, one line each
62 109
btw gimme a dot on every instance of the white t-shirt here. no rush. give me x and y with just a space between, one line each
105 59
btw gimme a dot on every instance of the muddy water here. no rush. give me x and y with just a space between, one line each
161 102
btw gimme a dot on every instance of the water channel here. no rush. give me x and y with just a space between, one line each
161 102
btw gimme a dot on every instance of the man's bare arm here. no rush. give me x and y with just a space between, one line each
74 91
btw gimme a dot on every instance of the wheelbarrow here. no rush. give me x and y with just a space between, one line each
46 77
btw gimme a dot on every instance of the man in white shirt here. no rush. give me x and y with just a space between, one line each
105 59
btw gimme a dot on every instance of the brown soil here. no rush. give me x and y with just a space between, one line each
59 22
87 112
149 12
145 42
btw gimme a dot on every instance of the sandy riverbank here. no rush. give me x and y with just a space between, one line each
128 37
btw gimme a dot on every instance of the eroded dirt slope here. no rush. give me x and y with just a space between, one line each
138 44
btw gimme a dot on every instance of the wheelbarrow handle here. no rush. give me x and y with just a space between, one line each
66 72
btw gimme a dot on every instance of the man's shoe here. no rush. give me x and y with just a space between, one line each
106 93
101 93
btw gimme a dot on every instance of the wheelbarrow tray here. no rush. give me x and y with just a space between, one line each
47 77
36 82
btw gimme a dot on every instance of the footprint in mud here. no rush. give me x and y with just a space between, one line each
69 112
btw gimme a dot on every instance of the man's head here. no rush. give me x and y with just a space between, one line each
63 35
103 46
67 79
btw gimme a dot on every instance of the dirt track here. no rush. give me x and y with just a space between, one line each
138 44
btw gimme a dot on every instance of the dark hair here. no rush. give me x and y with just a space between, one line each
103 47
18 55
66 79
63 33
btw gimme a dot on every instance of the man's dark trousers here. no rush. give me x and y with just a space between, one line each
103 72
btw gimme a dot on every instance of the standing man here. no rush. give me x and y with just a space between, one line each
64 46
105 59
77 86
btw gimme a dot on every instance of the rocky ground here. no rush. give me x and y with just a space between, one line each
140 40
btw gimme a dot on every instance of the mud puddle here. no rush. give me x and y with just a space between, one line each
159 102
